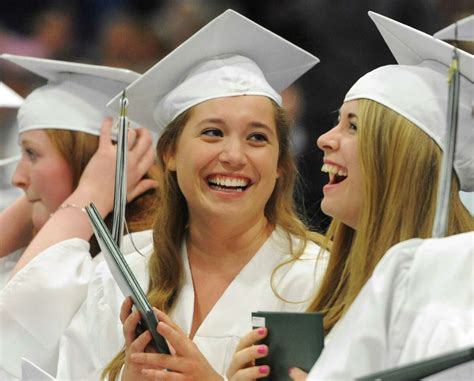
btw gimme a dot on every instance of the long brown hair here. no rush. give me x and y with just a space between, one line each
165 266
400 167
77 148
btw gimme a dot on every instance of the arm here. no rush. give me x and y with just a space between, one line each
16 227
96 185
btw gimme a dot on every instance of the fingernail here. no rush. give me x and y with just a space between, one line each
262 349
263 369
290 370
261 331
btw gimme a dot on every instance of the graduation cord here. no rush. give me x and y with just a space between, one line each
131 239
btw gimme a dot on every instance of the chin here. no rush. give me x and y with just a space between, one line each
39 220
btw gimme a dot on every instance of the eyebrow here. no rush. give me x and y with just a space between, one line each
253 124
352 115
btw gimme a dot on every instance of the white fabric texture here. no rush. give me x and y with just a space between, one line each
79 104
76 343
418 303
218 77
7 264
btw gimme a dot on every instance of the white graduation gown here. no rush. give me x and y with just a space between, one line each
418 303
94 335
7 264
38 303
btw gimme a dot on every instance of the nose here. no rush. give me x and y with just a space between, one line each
20 177
233 153
329 141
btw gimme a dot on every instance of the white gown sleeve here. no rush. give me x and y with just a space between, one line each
95 334
418 303
7 265
37 304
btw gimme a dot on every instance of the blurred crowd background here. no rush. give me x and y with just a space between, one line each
135 34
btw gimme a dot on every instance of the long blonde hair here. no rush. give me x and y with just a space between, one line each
77 148
400 166
165 266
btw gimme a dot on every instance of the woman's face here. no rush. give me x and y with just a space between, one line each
43 174
343 194
227 158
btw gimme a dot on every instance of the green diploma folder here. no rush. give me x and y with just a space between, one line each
294 340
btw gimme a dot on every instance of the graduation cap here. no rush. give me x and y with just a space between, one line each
230 56
8 98
464 32
417 88
9 150
74 97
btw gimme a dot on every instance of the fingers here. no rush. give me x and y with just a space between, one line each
251 373
105 138
126 308
161 316
130 327
176 338
297 374
252 337
246 357
246 352
142 187
161 375
139 345
140 141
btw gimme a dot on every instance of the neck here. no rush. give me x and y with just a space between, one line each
224 245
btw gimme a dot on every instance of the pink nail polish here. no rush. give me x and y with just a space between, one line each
262 349
261 331
290 370
263 369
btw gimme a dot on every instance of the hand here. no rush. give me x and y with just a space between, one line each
185 363
133 371
98 179
243 365
297 374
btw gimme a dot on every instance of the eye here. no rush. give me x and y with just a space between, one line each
212 132
258 137
352 127
30 154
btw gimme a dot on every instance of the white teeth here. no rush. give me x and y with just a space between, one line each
341 173
334 169
228 181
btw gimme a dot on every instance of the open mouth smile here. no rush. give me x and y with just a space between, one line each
336 173
229 184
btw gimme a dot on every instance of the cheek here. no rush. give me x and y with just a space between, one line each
56 185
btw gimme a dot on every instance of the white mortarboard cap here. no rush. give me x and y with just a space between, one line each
8 98
417 88
75 96
230 56
465 30
9 150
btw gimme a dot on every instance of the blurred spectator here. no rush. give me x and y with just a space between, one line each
126 41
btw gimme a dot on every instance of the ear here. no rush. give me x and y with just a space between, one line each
170 161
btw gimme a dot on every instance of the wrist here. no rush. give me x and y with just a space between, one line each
81 198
